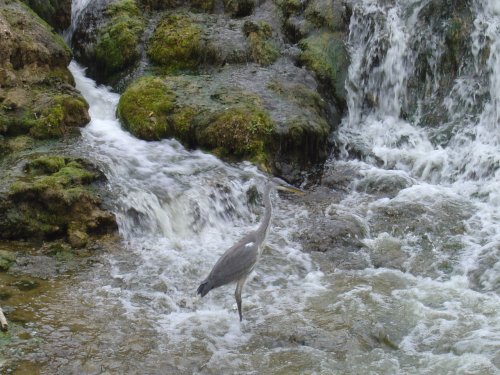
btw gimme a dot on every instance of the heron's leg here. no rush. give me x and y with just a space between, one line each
237 294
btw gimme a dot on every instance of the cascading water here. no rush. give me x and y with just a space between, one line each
440 221
427 198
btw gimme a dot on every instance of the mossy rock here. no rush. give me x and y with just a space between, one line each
28 42
37 95
117 46
290 7
239 8
54 199
278 126
263 49
301 140
227 122
240 132
204 5
57 13
144 107
177 44
326 55
328 14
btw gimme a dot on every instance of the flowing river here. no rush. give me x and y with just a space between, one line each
428 199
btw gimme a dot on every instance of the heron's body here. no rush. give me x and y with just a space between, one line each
240 259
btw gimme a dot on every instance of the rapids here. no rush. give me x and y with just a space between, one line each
429 306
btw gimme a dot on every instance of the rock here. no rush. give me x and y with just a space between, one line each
37 95
53 200
57 13
259 117
6 259
239 8
77 238
107 37
177 43
263 49
186 41
326 55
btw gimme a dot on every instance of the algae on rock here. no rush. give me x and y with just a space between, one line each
37 96
326 55
117 46
54 199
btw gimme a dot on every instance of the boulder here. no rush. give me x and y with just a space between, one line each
260 116
55 198
107 38
57 13
37 94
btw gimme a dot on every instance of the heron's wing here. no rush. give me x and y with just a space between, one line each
236 262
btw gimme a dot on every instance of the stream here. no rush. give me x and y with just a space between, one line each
428 199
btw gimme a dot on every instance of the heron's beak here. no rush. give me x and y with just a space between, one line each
291 189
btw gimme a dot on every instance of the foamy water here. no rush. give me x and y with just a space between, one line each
430 307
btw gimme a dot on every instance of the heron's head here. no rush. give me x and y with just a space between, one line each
280 184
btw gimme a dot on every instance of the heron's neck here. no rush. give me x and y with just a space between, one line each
266 222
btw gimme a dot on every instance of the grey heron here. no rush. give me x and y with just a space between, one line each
240 259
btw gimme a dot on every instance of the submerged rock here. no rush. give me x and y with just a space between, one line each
55 199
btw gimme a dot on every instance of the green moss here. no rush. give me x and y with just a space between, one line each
65 111
51 175
118 41
321 13
299 94
326 55
205 5
290 7
6 259
46 164
264 51
52 200
144 107
184 123
239 132
176 43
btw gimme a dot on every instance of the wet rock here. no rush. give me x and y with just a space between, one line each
258 117
54 199
262 48
239 8
107 37
325 54
383 183
338 239
387 252
26 284
57 13
185 41
446 26
37 95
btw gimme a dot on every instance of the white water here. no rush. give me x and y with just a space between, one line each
452 189
178 210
